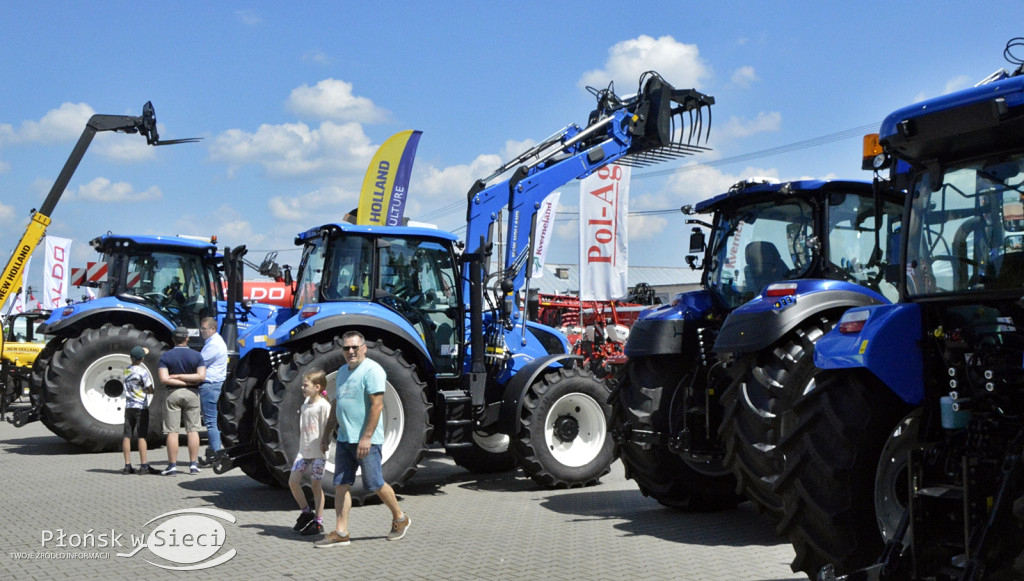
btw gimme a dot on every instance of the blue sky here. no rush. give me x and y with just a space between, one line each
293 99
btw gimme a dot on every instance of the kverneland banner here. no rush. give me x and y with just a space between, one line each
57 272
545 229
604 256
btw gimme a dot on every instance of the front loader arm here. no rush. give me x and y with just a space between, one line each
641 130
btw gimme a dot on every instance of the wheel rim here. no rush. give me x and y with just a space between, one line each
492 443
891 488
574 429
393 418
102 388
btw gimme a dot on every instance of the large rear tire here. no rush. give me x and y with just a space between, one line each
84 397
645 395
839 432
562 440
770 382
237 416
406 416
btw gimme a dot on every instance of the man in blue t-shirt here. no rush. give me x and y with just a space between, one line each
356 408
181 371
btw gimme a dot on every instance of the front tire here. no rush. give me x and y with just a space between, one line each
84 398
406 415
562 439
236 417
839 432
645 395
770 382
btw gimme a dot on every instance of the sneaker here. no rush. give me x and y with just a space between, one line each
169 471
398 528
145 469
312 528
333 539
128 469
209 459
303 520
193 470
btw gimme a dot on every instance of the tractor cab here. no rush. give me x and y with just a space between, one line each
412 272
175 276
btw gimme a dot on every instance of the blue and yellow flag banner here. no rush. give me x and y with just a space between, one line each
382 201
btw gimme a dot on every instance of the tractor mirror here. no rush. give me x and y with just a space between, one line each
697 243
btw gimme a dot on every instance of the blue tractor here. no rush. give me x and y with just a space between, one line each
907 455
783 262
149 286
466 370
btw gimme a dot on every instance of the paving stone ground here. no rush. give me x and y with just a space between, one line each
465 527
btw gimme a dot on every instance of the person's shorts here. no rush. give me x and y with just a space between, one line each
346 463
179 401
314 465
136 422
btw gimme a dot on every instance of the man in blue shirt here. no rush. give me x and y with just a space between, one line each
215 355
356 411
181 371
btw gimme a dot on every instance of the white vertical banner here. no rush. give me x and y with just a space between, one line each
545 228
57 272
604 256
21 299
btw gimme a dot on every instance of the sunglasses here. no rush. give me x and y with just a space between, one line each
351 347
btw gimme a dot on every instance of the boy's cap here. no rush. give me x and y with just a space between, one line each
138 353
180 333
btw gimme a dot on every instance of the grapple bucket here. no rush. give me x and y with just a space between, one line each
668 123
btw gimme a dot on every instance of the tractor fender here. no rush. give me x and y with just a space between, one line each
764 320
515 389
889 346
117 313
304 334
669 329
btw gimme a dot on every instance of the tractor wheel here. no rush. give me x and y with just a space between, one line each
37 389
839 431
489 454
406 416
769 382
236 418
562 438
645 395
84 397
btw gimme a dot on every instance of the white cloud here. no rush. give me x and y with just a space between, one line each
58 125
443 183
123 148
103 190
333 99
736 128
6 213
744 77
957 84
296 150
316 56
326 204
703 182
680 64
248 17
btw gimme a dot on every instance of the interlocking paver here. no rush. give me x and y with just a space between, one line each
467 527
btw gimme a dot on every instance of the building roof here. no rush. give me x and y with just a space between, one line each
564 278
